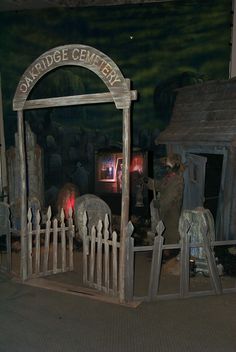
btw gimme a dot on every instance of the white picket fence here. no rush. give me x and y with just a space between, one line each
50 246
100 256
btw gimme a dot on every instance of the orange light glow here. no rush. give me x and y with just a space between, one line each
137 164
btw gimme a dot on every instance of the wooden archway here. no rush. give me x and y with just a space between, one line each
119 93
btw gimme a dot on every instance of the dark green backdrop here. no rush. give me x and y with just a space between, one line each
152 44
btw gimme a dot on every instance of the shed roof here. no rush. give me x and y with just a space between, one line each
203 113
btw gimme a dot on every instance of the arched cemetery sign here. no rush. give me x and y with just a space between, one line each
119 93
75 55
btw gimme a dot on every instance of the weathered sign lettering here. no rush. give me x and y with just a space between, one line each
79 55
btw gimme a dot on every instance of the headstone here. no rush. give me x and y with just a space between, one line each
95 208
81 178
4 219
198 218
34 172
5 239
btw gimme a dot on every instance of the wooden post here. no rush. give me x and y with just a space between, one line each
213 271
184 256
71 235
129 263
125 198
55 245
114 263
3 167
23 200
29 229
47 241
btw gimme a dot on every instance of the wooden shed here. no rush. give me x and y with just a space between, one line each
203 131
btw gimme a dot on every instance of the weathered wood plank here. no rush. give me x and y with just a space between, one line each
55 245
37 243
71 234
82 99
75 55
213 271
63 241
85 248
129 263
114 263
107 254
156 262
47 240
29 231
23 194
125 198
184 257
99 255
92 255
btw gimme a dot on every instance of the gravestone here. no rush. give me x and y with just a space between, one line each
34 172
95 208
81 178
5 236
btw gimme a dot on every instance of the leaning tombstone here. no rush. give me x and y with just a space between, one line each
5 237
95 208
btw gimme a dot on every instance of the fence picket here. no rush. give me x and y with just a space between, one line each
71 232
55 245
156 262
184 227
29 229
92 255
213 271
129 282
47 240
107 253
37 243
85 248
114 263
99 255
63 241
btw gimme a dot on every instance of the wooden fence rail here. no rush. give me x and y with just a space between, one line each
100 257
185 246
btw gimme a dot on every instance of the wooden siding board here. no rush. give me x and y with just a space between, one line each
203 112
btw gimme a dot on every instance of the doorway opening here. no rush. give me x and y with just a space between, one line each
213 175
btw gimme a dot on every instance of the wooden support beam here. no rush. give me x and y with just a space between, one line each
23 200
84 99
125 198
3 167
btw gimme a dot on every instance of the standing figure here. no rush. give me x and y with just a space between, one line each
170 196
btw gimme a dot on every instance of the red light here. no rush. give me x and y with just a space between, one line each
69 204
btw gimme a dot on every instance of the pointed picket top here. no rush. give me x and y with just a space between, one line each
37 217
55 221
29 215
130 229
93 231
100 226
160 228
49 213
106 227
62 215
106 221
114 235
